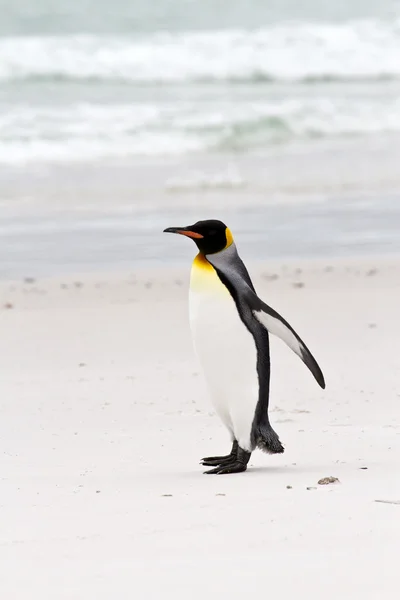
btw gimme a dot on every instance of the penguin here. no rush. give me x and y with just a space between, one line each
230 328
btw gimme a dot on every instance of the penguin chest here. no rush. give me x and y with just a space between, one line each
223 344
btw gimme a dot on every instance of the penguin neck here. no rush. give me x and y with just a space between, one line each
224 259
218 261
228 263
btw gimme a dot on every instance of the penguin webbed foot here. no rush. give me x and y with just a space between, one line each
237 464
233 467
215 461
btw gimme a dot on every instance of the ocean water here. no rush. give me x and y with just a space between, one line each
90 80
157 108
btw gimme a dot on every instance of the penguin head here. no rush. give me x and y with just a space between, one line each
210 236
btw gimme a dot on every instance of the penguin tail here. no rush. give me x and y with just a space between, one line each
267 440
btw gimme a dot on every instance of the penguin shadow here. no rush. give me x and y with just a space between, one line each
265 470
259 471
279 469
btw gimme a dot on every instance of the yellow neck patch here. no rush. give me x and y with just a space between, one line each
200 262
204 278
229 237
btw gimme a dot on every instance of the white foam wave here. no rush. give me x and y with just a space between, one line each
293 51
87 131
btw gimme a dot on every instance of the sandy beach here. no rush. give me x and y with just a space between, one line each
118 120
105 416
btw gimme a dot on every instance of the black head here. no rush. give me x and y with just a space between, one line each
209 236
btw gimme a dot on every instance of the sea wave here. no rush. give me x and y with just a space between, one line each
91 131
306 52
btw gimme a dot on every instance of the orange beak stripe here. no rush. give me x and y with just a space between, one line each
191 234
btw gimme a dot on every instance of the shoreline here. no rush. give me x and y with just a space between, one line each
337 199
80 250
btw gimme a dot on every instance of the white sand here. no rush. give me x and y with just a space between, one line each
104 418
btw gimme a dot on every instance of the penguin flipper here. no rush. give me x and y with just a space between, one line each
243 292
277 325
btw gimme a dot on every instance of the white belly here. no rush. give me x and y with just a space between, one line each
226 351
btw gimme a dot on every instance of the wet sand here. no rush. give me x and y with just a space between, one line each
330 198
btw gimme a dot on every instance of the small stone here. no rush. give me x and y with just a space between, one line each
29 280
220 494
98 491
311 488
82 365
298 284
328 480
166 495
8 305
289 487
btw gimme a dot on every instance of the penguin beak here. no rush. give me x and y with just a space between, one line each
184 231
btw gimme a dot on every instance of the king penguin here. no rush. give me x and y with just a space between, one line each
230 327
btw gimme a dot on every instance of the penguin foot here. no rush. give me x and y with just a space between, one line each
237 464
215 461
234 467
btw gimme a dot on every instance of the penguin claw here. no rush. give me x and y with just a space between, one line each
233 467
215 461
